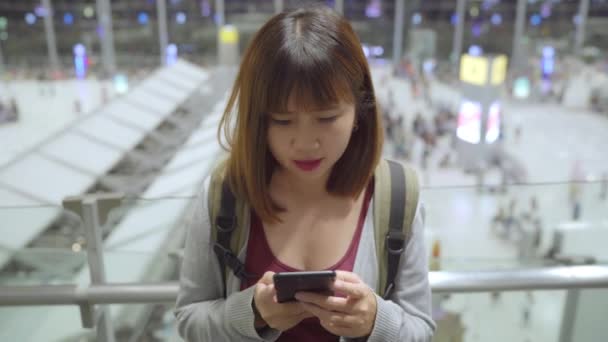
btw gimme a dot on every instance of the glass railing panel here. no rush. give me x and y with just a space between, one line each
504 316
144 241
149 322
470 227
40 245
585 306
41 323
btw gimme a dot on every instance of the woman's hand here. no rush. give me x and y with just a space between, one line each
279 316
352 316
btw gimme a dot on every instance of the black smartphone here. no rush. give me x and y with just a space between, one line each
287 284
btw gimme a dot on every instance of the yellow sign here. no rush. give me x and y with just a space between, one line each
474 69
229 34
499 69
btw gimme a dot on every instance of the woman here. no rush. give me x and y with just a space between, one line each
304 138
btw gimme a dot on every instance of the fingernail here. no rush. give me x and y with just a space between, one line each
298 296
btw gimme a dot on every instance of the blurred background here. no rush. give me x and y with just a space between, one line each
108 119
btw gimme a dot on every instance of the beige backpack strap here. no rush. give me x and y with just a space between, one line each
411 199
382 204
214 195
395 201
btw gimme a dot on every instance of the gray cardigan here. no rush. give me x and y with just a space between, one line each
204 315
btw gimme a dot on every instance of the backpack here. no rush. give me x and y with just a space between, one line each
395 201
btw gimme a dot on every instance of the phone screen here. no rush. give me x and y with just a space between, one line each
287 284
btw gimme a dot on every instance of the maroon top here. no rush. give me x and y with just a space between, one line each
261 259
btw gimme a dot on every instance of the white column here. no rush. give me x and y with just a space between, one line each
458 32
339 6
219 11
279 5
104 18
520 26
163 37
49 31
398 32
583 13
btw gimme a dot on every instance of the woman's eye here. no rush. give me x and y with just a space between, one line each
328 119
281 122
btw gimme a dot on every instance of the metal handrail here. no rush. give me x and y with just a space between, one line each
555 278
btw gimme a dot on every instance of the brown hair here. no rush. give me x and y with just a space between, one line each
314 54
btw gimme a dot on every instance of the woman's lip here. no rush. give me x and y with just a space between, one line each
308 165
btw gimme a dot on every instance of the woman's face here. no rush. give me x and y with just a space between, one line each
308 144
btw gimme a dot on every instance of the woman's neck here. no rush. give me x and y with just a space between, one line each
299 190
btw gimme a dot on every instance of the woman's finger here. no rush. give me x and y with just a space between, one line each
347 276
355 290
329 303
322 314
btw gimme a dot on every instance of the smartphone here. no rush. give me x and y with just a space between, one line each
287 284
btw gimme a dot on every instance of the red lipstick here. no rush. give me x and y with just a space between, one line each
308 165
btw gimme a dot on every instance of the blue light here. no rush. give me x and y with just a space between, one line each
545 10
535 20
548 66
548 61
180 18
142 18
496 19
218 18
377 51
476 29
171 54
475 50
205 8
80 57
366 50
548 51
30 18
454 19
373 9
68 18
41 11
416 19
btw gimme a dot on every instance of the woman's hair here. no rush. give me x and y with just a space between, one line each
313 55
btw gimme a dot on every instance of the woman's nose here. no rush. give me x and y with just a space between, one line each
306 139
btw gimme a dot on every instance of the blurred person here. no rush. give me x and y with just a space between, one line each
14 107
399 139
577 176
392 107
512 223
531 214
77 106
419 125
495 296
498 221
435 264
104 94
3 112
526 316
518 132
306 140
